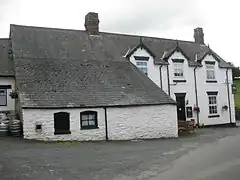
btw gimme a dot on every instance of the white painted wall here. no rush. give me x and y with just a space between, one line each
189 87
183 87
164 79
153 70
222 96
142 122
123 123
10 102
232 102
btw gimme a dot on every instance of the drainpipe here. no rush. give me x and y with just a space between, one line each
228 92
168 81
196 93
160 70
106 124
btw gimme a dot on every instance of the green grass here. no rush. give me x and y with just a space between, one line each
237 95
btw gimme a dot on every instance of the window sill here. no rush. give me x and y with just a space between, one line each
213 116
62 132
179 80
211 81
89 128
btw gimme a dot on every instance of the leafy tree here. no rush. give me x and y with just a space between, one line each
235 72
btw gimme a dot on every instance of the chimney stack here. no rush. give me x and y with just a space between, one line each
92 23
199 35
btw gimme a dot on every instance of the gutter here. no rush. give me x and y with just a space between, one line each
168 80
106 124
160 70
196 93
228 92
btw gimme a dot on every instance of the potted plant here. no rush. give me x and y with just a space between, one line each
13 94
196 109
225 107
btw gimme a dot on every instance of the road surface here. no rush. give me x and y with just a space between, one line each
212 154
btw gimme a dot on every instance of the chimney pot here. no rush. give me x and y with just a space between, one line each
92 23
199 35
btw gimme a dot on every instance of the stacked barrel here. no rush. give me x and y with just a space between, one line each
15 127
10 124
4 123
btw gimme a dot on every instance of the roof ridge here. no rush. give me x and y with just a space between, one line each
152 37
104 32
73 59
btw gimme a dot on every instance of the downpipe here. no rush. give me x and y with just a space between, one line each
196 93
228 92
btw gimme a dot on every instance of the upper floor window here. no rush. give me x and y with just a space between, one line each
3 97
62 123
210 70
178 69
142 66
88 120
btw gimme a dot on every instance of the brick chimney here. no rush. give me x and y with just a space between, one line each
199 35
92 23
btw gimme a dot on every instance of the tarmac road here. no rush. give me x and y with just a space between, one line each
212 154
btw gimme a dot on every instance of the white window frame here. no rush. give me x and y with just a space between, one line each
89 119
212 105
178 69
142 66
210 72
3 94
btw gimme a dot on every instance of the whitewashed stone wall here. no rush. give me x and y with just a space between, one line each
123 123
10 102
46 118
142 122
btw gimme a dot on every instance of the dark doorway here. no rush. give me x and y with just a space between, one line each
180 98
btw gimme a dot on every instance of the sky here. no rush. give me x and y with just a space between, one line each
173 19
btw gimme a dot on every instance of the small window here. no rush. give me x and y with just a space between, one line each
62 123
210 69
212 103
3 97
142 66
89 120
178 69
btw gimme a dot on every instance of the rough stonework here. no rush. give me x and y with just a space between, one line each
146 122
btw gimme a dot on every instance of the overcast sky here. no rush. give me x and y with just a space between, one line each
174 19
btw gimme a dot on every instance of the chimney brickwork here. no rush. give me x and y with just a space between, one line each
199 35
92 23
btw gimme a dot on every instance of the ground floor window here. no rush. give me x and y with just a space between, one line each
88 120
62 123
3 97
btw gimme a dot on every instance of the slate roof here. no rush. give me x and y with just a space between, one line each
66 68
69 68
6 65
